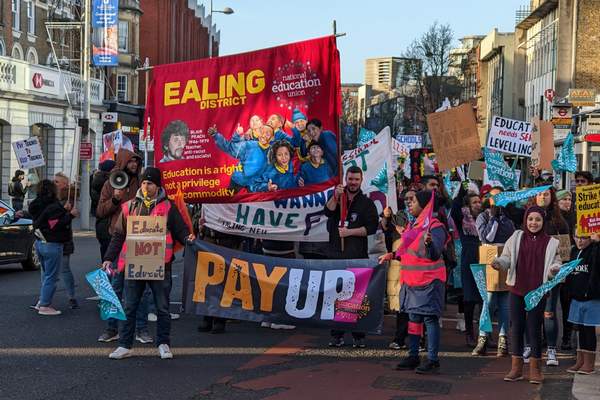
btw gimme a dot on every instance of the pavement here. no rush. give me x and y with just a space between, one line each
59 357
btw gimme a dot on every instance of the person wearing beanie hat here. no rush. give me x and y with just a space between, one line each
298 115
531 257
423 281
151 200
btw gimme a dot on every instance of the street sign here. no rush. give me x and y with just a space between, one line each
562 116
111 117
549 95
582 97
86 151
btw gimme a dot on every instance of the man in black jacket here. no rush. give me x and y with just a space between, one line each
361 220
149 198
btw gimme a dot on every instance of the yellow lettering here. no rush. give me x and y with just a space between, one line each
255 81
238 84
171 93
206 95
239 271
190 92
267 284
203 279
222 80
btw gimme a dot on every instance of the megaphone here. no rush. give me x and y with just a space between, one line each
118 179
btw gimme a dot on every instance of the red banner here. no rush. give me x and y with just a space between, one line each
243 128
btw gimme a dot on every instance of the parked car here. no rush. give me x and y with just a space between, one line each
16 239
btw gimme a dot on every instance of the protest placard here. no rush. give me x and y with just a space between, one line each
564 247
510 136
401 147
454 136
214 120
335 294
542 144
146 245
587 203
29 153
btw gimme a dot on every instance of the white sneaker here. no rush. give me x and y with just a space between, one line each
552 361
265 324
441 323
152 317
120 353
175 316
282 326
526 354
460 323
165 352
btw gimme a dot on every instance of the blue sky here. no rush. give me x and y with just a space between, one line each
374 28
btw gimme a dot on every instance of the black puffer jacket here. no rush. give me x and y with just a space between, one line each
584 282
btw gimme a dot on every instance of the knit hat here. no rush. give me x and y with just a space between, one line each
151 174
561 194
297 114
107 165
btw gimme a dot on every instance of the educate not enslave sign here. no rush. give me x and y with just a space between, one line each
146 246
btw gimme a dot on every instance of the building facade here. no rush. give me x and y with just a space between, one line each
40 92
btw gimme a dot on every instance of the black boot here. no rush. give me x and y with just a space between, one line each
430 367
205 324
481 347
410 362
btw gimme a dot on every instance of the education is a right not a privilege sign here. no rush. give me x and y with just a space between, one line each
510 136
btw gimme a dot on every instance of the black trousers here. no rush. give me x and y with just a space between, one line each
522 321
401 327
587 337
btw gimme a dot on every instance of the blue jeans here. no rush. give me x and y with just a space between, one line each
50 255
134 292
433 335
550 320
67 275
141 320
498 301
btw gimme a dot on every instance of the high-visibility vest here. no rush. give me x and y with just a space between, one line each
161 209
417 268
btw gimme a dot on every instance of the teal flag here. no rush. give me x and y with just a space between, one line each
533 298
567 161
110 306
364 136
485 322
504 198
381 179
498 169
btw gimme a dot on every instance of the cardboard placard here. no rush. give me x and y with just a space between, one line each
564 247
587 203
542 144
476 170
146 246
454 136
495 280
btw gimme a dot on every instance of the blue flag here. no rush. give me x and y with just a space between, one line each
110 306
498 169
566 158
533 298
504 198
485 322
364 136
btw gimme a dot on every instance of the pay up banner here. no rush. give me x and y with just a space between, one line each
244 97
510 136
301 218
338 294
146 245
587 203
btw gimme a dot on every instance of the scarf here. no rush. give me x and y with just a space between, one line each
468 223
282 170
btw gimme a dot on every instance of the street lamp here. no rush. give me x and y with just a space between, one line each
226 11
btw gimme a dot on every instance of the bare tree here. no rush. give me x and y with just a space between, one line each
431 54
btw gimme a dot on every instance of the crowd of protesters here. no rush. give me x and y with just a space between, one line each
434 262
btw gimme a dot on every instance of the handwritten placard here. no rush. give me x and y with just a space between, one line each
564 247
454 136
146 245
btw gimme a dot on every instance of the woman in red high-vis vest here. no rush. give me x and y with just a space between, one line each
423 278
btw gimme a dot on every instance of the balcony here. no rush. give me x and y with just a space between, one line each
23 78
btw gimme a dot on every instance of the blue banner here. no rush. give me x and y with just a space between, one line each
105 40
498 169
485 322
110 306
504 198
567 161
335 294
535 296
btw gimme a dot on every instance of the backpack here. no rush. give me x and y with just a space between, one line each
11 189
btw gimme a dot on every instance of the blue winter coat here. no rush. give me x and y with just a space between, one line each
286 180
253 158
312 175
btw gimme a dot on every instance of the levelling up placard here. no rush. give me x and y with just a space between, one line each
145 248
510 136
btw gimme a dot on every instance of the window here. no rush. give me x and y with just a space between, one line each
122 88
31 17
16 14
32 57
17 52
123 35
2 48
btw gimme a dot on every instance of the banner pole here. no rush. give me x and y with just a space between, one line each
339 147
